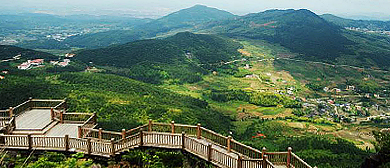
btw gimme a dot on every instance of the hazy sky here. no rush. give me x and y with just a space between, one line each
155 8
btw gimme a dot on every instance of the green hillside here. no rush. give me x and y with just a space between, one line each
119 100
103 39
307 34
299 30
7 52
177 57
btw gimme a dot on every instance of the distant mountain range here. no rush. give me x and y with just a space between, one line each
183 19
303 32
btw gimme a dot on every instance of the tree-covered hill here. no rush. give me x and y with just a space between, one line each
185 18
104 39
7 52
178 56
301 31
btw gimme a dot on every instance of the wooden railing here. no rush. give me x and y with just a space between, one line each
7 124
20 108
218 149
79 118
4 113
199 147
257 163
4 121
34 103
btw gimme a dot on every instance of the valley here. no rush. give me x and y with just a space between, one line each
271 79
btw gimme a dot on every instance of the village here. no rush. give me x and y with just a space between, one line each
40 62
349 106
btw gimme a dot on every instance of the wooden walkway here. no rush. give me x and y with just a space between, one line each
64 129
75 132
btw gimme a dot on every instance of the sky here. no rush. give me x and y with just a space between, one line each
158 8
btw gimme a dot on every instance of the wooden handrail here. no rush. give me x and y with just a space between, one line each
300 161
24 103
107 148
44 100
217 148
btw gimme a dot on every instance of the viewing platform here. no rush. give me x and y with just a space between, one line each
46 125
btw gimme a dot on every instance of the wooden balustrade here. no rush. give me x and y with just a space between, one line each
48 142
20 108
5 113
135 130
199 141
78 144
4 121
257 163
39 103
245 150
213 136
100 134
8 124
128 142
194 146
277 158
223 158
162 139
298 162
79 118
98 147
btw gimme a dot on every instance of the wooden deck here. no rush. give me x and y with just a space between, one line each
33 119
64 129
54 129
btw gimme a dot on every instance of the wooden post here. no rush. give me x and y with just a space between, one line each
183 140
52 113
89 146
289 149
29 140
11 111
80 132
150 126
30 102
123 133
198 131
263 152
66 140
141 138
112 147
100 134
229 139
209 152
61 117
94 118
65 104
173 127
265 161
14 123
239 161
